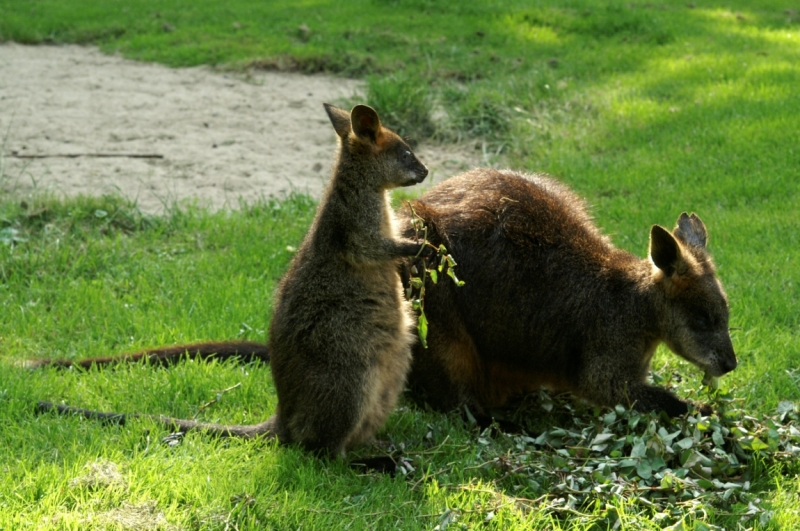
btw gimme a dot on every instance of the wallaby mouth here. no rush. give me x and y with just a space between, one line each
418 176
724 365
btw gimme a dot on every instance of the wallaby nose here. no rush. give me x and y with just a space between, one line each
423 172
730 362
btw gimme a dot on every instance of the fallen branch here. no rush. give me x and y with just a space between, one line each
92 155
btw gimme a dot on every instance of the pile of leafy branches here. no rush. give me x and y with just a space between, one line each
595 460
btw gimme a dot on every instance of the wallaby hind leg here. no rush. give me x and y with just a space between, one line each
324 431
442 374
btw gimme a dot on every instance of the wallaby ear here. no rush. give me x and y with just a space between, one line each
340 119
365 122
691 230
665 251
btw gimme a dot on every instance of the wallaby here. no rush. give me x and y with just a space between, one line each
341 333
549 302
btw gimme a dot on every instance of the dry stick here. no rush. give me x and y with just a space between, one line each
93 155
215 400
434 450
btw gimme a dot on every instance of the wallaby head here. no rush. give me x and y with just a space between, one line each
377 151
694 308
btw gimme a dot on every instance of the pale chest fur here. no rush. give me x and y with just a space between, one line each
388 221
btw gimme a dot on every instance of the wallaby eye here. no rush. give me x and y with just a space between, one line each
702 323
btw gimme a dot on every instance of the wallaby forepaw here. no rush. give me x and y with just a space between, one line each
704 409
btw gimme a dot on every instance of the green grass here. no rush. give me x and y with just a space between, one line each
645 109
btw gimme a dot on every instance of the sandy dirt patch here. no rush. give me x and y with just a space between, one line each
97 124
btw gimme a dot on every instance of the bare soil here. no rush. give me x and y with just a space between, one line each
76 121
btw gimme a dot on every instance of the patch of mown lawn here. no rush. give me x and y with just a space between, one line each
645 109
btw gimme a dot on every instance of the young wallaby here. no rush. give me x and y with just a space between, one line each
549 302
341 333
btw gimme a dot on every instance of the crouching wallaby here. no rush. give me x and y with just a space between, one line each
341 333
549 302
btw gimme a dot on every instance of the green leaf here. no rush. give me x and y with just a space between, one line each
434 275
657 463
639 449
452 274
422 329
784 408
666 436
644 470
601 438
691 459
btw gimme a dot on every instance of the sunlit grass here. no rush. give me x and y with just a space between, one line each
646 110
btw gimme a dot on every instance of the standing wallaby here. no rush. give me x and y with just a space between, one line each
549 302
341 332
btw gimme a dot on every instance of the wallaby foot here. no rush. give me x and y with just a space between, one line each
383 464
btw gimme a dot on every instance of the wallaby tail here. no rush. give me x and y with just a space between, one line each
266 429
244 350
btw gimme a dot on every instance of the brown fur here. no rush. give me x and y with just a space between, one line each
341 333
550 302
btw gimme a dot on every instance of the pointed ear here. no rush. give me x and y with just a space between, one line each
365 122
339 118
665 251
691 230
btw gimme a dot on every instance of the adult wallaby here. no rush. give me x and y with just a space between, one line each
550 302
341 332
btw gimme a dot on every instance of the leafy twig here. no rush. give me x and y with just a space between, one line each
416 290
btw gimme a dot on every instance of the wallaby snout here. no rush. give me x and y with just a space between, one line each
725 359
421 174
414 169
729 363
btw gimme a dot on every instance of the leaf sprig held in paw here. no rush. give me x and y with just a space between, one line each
441 262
